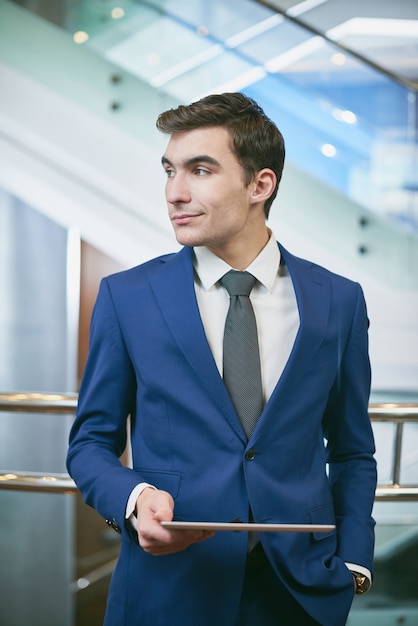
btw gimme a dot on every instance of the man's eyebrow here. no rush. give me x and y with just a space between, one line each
165 161
200 158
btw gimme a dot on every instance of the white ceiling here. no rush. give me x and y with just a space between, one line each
388 36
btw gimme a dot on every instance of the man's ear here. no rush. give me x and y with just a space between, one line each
263 185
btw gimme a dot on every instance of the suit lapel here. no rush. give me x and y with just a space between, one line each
312 291
173 285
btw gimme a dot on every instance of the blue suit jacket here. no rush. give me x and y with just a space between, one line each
149 358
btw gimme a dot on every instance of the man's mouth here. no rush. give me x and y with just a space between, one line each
184 218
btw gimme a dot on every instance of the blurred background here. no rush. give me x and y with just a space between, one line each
81 196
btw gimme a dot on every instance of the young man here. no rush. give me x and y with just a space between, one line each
156 354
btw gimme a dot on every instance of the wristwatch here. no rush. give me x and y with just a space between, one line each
362 583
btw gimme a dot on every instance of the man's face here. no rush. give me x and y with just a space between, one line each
208 201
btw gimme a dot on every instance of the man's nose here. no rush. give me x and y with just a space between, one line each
177 190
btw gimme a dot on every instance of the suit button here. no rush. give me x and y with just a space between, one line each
250 454
113 524
236 520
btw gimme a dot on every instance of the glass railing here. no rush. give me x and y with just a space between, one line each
36 403
395 427
393 598
347 121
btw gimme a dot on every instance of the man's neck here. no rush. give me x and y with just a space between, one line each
240 257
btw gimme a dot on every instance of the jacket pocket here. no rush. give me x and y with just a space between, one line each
323 514
161 479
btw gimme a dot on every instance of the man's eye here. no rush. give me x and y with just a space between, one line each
200 171
169 173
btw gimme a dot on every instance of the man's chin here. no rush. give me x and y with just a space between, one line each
188 239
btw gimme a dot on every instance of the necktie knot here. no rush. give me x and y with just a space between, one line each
238 283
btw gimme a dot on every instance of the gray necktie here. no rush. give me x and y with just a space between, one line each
241 357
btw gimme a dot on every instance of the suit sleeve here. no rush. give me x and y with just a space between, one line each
347 427
99 434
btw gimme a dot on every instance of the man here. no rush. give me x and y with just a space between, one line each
156 354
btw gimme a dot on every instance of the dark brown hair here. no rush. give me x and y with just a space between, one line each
256 140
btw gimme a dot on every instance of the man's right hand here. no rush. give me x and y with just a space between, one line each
152 507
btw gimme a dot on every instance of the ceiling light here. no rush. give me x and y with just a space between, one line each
80 36
345 116
328 150
202 31
338 58
117 13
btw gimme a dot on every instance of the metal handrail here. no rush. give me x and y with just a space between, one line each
66 403
393 412
37 481
38 402
397 414
23 402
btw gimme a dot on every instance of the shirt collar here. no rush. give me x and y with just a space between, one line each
210 268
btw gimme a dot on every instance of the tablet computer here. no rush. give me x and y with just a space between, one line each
249 527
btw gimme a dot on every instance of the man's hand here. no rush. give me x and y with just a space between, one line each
152 507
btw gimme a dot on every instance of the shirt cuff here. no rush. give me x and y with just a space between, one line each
360 570
135 493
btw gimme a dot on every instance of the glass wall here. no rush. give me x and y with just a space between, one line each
36 342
